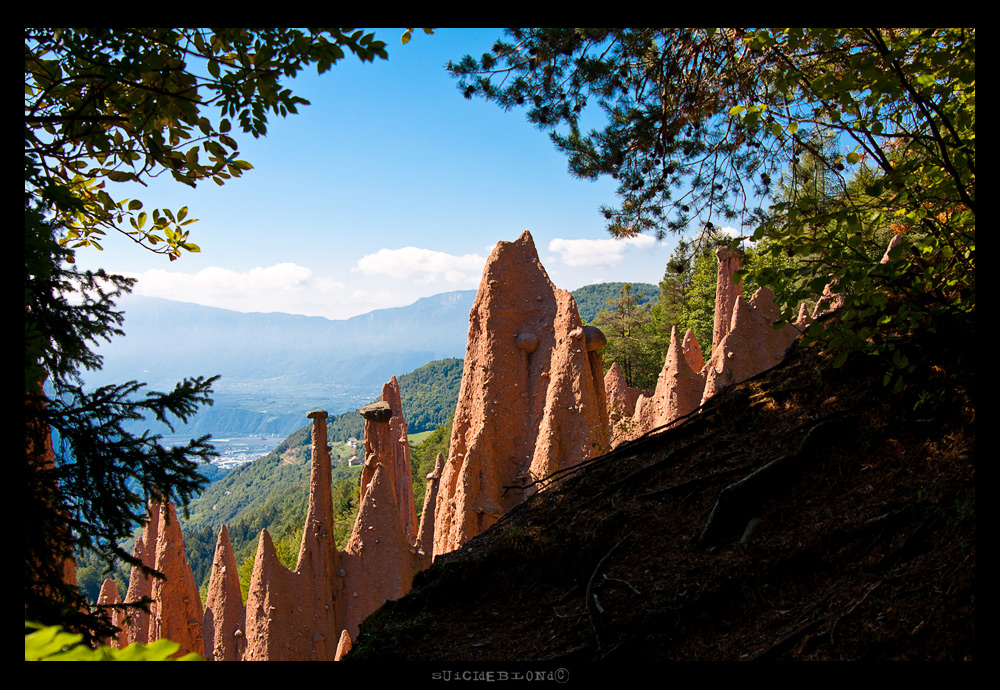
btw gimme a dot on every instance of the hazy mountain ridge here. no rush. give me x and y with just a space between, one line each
276 366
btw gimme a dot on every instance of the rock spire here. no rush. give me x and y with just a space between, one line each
745 343
293 615
109 597
532 395
752 344
678 388
425 539
176 613
379 561
386 442
140 585
225 616
727 289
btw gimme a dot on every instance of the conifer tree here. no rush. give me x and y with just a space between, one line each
122 105
699 125
629 329
87 479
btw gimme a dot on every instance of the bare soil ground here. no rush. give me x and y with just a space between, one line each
809 513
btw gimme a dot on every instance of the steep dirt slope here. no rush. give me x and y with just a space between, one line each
800 515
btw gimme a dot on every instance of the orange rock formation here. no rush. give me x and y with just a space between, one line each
109 597
752 344
225 616
386 443
293 615
140 585
745 343
727 289
302 614
622 400
344 646
176 612
425 539
531 400
678 388
379 561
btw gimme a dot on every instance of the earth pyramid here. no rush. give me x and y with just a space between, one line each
176 612
140 585
380 558
293 615
744 343
678 388
532 397
532 402
109 597
386 443
225 616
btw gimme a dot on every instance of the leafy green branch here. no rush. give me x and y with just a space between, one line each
122 105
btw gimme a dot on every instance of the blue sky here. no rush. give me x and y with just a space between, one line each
389 187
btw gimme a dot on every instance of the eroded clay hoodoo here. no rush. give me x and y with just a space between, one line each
529 402
294 615
379 561
140 585
176 613
108 596
752 344
386 442
727 289
425 539
225 616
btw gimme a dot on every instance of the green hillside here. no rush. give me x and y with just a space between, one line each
271 492
592 299
428 395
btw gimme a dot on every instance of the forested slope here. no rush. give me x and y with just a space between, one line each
272 492
593 299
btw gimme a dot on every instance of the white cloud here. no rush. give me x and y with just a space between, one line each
424 266
597 253
281 287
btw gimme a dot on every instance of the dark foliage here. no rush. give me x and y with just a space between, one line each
87 480
703 125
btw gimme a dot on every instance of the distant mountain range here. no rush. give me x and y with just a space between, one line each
276 366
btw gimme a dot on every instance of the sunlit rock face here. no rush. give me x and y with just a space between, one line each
678 388
532 396
727 289
745 343
140 585
386 443
176 612
225 616
752 344
379 561
295 615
